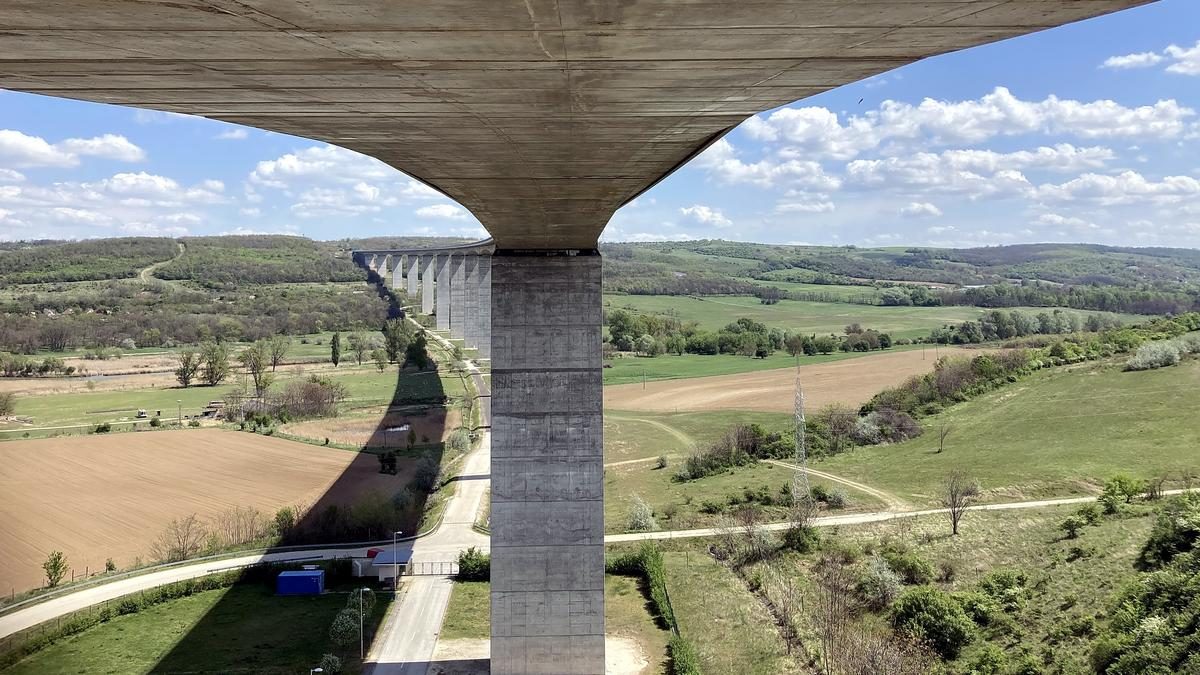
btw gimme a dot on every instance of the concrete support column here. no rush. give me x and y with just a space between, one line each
547 584
484 307
458 297
374 264
397 266
471 300
442 299
427 265
413 264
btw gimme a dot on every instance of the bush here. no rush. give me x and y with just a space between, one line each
1072 525
1155 355
802 538
932 615
155 422
684 658
344 629
947 570
8 403
912 568
103 428
641 517
879 585
330 664
836 499
988 661
474 565
982 608
1176 530
1090 513
661 463
627 565
1006 587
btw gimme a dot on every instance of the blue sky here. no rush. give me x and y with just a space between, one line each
1085 133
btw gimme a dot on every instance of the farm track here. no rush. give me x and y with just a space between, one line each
893 502
147 273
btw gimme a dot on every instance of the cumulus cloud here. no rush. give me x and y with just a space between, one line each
929 172
22 150
1128 187
818 133
706 215
1129 61
324 163
446 211
233 134
1185 60
1180 60
720 160
920 210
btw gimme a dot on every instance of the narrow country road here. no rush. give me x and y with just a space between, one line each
147 273
893 502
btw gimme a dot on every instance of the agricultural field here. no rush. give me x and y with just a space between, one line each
851 381
100 497
714 312
244 628
1058 432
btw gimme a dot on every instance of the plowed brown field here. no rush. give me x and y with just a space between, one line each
852 381
96 497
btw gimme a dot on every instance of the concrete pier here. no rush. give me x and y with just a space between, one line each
483 317
427 283
413 263
547 521
458 296
471 300
397 277
442 299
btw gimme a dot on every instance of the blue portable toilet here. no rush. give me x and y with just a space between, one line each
300 582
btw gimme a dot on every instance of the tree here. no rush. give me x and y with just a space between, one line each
826 344
794 344
943 432
256 358
8 403
214 362
344 630
415 353
839 421
932 615
180 540
396 337
641 517
335 349
474 565
1072 525
380 358
359 346
189 366
55 568
646 345
959 491
278 347
676 344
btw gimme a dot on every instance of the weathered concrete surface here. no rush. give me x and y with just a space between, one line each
484 308
413 263
397 267
540 116
442 299
547 465
428 262
458 297
471 300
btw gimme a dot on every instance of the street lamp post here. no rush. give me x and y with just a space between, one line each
361 651
315 670
395 561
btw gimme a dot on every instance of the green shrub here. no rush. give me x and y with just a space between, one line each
1006 587
103 428
627 565
1090 513
879 585
684 658
912 568
802 539
155 422
982 608
1176 530
330 664
988 661
932 615
1071 525
474 565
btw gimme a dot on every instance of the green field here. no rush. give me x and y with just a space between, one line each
632 369
714 312
244 628
1059 432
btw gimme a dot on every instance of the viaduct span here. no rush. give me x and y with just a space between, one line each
542 117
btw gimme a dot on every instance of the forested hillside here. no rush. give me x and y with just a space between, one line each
95 259
229 262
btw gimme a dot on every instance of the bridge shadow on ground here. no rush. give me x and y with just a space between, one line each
384 489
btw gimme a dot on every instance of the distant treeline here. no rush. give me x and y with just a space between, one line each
93 260
232 262
124 315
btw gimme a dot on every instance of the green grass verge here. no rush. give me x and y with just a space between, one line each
1059 432
245 628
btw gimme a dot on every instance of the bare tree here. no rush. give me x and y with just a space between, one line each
256 358
831 609
839 420
189 366
278 347
240 525
180 540
943 432
959 491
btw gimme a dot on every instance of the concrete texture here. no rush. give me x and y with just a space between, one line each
471 300
547 464
483 315
540 116
458 297
442 299
428 262
413 263
397 275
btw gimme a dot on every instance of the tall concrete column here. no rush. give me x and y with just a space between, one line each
471 300
374 264
547 574
427 265
458 297
397 280
413 264
484 305
442 299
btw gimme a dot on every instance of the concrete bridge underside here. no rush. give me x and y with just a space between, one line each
540 116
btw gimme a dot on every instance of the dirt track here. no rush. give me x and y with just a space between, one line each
97 497
852 381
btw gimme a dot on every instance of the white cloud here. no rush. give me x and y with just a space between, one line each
250 211
233 134
706 215
23 150
930 172
920 210
144 116
818 133
1128 187
320 163
1186 59
447 211
720 159
1128 61
10 176
1060 221
802 202
242 231
655 236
